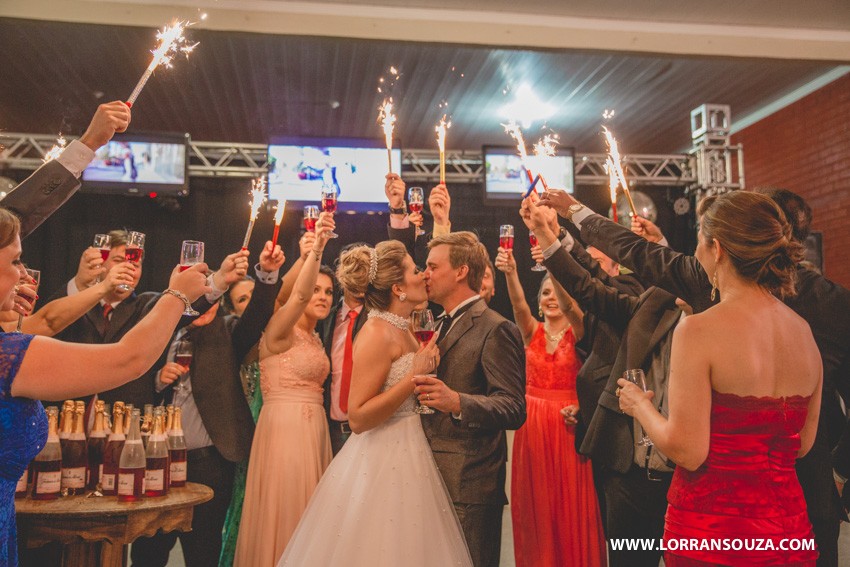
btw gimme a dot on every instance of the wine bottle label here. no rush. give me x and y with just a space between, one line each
22 483
48 482
107 481
155 479
126 484
74 478
178 471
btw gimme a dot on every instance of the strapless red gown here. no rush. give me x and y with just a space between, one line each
747 489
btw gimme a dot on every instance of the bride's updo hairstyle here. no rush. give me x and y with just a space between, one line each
754 232
372 272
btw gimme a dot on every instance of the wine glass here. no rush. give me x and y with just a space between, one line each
532 239
329 203
101 242
416 201
133 252
423 326
191 253
637 377
183 357
506 236
36 275
311 215
421 409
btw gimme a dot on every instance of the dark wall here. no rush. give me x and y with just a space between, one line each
216 212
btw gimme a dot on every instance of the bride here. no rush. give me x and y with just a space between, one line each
382 500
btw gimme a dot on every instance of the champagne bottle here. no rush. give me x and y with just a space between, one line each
66 422
74 455
169 418
47 465
128 414
96 445
177 452
131 467
156 473
112 452
147 424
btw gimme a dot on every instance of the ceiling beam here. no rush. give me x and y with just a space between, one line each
476 27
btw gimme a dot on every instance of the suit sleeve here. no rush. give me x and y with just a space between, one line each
593 296
40 195
503 406
406 236
249 328
652 263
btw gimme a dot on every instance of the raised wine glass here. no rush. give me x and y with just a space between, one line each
183 357
36 275
329 203
506 236
191 253
532 239
311 216
133 252
637 377
416 202
101 242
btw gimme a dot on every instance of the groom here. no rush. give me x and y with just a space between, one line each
479 391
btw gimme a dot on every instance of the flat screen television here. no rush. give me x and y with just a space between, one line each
144 164
299 168
504 179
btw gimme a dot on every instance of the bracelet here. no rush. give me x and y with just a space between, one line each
179 295
318 254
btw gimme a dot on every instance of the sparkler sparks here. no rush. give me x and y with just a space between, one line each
441 143
387 120
171 42
258 197
616 165
57 148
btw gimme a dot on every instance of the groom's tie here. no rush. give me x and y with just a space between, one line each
446 320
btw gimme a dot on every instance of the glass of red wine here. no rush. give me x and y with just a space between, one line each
311 215
329 203
101 242
191 253
423 328
532 239
183 357
133 252
416 201
506 236
36 275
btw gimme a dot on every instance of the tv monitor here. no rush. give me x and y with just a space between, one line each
140 164
300 168
505 180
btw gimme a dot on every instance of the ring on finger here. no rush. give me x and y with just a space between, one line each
617 391
428 397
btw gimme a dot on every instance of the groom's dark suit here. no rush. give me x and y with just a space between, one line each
39 195
482 358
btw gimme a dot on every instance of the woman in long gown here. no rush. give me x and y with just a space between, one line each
291 447
555 512
745 392
382 502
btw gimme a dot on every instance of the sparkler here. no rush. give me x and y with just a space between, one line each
513 129
441 143
613 181
258 197
278 218
171 41
614 158
545 147
387 120
57 148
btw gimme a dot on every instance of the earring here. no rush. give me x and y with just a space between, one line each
402 297
714 286
540 311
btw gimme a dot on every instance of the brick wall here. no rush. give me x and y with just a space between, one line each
805 147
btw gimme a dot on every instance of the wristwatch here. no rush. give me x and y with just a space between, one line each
399 211
573 209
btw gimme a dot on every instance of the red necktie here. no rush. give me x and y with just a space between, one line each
107 309
347 363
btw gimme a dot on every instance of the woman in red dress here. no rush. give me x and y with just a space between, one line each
744 398
555 512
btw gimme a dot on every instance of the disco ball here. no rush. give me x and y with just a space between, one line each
643 203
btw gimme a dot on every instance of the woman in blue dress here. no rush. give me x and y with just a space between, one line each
34 368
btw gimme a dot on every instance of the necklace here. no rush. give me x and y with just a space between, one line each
391 318
556 338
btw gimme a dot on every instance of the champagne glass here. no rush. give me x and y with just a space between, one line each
416 201
36 275
506 236
133 252
311 215
532 239
329 203
191 253
183 357
101 242
637 377
420 409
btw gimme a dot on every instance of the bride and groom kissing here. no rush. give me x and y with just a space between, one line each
410 490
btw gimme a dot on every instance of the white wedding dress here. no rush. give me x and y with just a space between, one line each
381 502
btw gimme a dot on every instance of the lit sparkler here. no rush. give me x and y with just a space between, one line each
613 181
278 218
387 120
441 143
614 157
57 148
513 129
545 147
258 197
171 41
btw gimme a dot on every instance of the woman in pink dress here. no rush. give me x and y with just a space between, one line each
291 447
744 394
555 512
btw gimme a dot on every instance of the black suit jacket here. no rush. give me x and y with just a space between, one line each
39 195
642 322
482 357
326 331
823 304
217 352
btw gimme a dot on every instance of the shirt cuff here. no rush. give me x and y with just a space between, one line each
838 478
159 386
399 223
551 249
458 416
266 277
579 216
213 296
76 157
663 242
441 229
72 287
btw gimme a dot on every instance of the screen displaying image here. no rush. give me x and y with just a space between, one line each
138 163
298 173
505 178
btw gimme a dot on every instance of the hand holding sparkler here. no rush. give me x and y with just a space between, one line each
615 164
440 203
559 200
387 120
394 189
278 218
171 41
258 197
271 258
109 118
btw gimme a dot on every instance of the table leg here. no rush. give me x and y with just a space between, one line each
81 554
113 554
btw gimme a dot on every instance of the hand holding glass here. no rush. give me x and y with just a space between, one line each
637 377
35 275
191 253
133 252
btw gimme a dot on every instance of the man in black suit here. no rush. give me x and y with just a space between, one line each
823 304
478 393
217 422
39 195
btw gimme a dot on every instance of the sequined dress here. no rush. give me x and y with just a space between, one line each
23 431
382 502
290 451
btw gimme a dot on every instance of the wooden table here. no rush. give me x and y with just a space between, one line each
96 531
